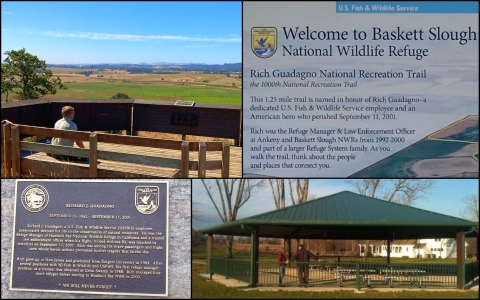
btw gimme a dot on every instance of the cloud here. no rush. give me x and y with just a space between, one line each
6 12
134 37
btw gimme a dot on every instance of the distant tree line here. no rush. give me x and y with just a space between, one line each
149 70
216 69
86 73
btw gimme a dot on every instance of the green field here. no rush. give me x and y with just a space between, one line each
146 91
202 288
193 86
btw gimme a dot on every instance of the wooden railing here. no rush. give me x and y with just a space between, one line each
11 146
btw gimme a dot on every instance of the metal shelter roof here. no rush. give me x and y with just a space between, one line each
347 215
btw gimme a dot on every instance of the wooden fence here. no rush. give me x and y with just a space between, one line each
15 166
222 121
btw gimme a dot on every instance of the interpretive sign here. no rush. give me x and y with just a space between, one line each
93 236
364 89
184 103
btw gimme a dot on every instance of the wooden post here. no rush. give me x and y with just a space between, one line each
15 151
202 159
185 160
7 149
225 160
93 155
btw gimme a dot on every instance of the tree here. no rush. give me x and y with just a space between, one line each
197 238
402 191
301 189
302 194
196 214
232 195
121 96
27 76
278 192
470 211
6 84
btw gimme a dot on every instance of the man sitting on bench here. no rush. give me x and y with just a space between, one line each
66 123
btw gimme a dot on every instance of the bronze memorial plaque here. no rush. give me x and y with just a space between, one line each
91 236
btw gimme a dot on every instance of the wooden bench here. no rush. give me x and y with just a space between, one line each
113 163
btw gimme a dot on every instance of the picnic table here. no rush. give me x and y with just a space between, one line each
343 274
322 265
412 275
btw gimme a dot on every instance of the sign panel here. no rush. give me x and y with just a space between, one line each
95 236
184 103
363 89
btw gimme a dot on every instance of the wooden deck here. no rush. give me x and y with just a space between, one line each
45 166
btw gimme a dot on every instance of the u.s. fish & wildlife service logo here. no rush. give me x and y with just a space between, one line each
35 198
146 199
264 41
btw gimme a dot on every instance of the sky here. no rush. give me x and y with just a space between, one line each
445 198
131 32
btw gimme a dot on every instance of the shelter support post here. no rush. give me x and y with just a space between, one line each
254 257
209 252
460 259
388 250
289 248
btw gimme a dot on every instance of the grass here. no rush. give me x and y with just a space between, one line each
205 289
192 86
199 94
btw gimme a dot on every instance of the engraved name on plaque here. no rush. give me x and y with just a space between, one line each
91 236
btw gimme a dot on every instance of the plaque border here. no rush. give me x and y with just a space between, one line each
88 292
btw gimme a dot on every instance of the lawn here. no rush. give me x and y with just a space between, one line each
203 288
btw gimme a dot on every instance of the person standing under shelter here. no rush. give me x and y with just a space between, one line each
303 257
66 123
282 261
